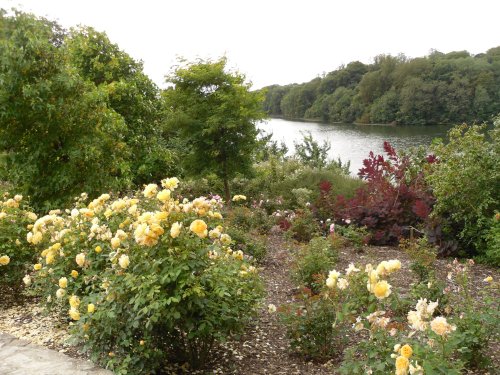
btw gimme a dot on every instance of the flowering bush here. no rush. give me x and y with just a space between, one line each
15 254
423 342
145 279
317 323
313 261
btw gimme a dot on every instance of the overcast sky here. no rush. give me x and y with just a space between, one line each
274 41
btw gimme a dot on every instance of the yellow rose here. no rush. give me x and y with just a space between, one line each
402 365
441 327
98 249
225 239
4 260
489 279
60 293
50 257
37 238
74 274
124 261
382 289
150 190
163 195
37 267
406 351
199 227
80 259
175 230
74 314
90 308
170 183
63 282
2 215
115 242
74 301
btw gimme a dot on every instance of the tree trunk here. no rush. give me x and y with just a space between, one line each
227 193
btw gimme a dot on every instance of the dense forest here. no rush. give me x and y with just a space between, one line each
439 88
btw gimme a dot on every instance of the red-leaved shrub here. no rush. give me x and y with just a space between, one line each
394 197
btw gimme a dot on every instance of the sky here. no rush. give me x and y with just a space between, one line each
278 41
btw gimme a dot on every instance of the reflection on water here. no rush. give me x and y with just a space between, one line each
354 142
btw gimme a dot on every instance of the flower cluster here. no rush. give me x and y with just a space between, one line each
376 285
402 354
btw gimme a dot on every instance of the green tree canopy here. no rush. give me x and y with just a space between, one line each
214 113
59 133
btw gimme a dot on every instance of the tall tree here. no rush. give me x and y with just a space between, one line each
215 114
56 127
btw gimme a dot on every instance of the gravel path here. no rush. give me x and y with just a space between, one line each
19 357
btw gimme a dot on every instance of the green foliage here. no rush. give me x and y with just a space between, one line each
440 88
311 327
310 153
303 226
355 236
466 184
76 113
249 242
214 113
313 261
478 327
373 356
492 254
156 280
15 216
131 94
422 256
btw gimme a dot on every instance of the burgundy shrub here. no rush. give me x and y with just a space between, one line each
394 197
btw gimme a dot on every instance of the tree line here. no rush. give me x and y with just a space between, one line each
440 88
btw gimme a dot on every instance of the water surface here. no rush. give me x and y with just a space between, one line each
353 142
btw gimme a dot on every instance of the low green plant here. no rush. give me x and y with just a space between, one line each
303 226
250 242
492 255
478 325
313 261
313 327
422 257
15 254
355 236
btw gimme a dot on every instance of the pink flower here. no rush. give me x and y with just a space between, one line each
332 228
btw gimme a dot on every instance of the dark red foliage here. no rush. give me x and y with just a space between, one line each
394 197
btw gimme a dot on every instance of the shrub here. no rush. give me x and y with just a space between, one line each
394 197
313 261
249 242
478 327
466 184
311 327
355 236
145 279
317 323
303 226
15 254
492 254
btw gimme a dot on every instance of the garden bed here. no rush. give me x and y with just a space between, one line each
264 348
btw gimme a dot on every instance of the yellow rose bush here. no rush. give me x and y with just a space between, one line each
139 277
15 254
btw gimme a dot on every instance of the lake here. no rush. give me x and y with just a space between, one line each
353 142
